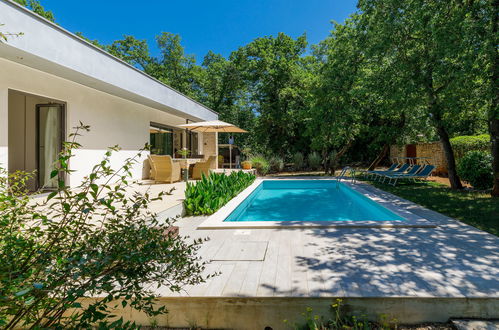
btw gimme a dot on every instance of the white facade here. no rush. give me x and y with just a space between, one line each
119 102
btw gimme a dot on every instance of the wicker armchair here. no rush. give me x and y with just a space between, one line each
164 169
204 167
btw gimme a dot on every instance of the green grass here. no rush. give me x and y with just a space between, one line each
474 208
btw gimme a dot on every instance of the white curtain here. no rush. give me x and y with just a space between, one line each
51 146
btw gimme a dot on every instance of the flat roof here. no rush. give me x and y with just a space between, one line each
48 47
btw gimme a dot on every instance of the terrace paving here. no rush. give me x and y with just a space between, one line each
453 260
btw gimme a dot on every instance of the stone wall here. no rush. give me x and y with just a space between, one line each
432 150
210 144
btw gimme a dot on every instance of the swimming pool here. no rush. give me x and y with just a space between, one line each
308 200
319 203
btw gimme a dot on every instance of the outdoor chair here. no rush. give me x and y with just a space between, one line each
415 169
164 169
422 175
390 169
204 167
401 169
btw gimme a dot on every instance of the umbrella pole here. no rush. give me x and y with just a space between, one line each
230 156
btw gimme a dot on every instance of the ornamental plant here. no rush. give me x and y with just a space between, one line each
276 164
96 240
463 144
214 191
298 161
260 163
475 167
314 160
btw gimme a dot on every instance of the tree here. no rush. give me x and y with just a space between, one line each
333 121
133 51
220 85
276 76
174 67
35 6
425 38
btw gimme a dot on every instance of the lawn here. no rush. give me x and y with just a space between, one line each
474 208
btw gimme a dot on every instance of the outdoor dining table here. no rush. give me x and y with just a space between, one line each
186 164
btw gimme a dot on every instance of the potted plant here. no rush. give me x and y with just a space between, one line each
184 152
246 165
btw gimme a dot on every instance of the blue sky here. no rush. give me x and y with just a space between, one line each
218 25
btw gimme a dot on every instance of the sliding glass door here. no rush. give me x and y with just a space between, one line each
161 140
50 134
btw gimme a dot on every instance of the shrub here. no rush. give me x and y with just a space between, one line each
211 193
92 241
463 144
298 161
333 163
475 167
276 164
260 163
314 160
341 319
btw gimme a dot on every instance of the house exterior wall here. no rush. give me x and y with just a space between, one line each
210 144
47 47
113 120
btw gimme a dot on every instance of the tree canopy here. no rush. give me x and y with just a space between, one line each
393 72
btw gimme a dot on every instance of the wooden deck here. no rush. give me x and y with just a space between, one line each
451 260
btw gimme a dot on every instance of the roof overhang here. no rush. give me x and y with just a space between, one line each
47 47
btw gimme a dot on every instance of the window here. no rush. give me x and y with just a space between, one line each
192 143
161 140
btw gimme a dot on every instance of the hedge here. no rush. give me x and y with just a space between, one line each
466 143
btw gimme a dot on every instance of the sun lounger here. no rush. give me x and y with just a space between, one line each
423 174
414 170
401 169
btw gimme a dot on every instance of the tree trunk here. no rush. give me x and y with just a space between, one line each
434 110
494 138
493 110
454 180
339 154
380 157
325 157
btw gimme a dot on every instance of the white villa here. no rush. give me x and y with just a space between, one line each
50 80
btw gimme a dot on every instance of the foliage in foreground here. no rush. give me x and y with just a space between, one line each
211 193
339 319
475 167
92 241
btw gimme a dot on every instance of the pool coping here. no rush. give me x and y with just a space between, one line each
216 220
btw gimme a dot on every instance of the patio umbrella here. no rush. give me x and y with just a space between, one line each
214 126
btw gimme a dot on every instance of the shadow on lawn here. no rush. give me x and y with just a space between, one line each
474 208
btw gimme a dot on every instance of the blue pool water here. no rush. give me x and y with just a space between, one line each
308 200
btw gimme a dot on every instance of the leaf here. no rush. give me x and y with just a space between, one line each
22 292
51 195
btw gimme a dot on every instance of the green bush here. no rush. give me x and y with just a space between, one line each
276 164
260 163
93 241
475 167
463 144
340 319
314 160
298 161
211 193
